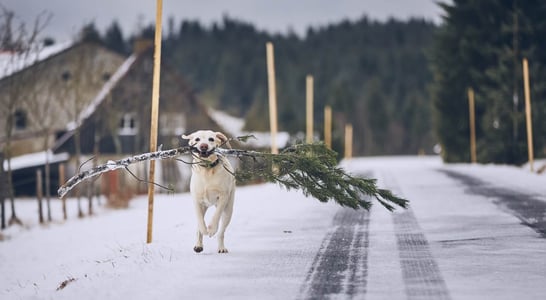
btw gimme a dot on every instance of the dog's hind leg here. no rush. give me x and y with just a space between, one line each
226 218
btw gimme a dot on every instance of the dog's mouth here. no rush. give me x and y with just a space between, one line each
203 153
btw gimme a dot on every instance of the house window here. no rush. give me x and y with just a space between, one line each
128 124
66 75
172 123
20 119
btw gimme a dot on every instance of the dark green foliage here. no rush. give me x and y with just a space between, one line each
89 33
373 74
113 39
312 168
481 45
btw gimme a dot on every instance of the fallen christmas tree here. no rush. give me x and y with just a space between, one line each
311 168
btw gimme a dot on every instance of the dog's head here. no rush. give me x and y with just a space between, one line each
204 142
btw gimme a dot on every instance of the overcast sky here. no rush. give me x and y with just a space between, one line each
272 15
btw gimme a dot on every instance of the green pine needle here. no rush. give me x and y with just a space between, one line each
313 169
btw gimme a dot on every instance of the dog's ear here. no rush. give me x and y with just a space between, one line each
188 137
223 139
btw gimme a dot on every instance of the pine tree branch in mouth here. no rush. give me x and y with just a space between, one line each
311 168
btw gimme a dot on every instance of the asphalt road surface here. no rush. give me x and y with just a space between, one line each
470 246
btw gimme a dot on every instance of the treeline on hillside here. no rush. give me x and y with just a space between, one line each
374 75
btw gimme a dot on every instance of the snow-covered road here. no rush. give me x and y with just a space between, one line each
462 238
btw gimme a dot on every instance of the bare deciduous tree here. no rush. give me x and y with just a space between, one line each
22 44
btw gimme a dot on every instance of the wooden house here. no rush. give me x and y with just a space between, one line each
115 120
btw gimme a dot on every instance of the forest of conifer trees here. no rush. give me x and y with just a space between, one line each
374 75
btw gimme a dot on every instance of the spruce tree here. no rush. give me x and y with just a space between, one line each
481 45
113 39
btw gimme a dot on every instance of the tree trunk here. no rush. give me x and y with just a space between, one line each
78 163
13 219
47 177
39 195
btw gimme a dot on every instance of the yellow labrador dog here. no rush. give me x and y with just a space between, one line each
212 183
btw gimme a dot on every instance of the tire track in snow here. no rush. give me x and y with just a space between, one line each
530 210
420 272
341 265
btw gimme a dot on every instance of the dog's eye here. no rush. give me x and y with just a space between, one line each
211 139
197 139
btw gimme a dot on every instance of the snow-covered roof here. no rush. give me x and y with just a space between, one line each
11 62
35 159
106 89
234 127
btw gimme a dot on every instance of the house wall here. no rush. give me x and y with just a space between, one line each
129 102
53 92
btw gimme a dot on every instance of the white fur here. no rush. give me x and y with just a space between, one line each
211 186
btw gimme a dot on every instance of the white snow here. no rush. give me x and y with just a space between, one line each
111 165
272 232
35 159
273 239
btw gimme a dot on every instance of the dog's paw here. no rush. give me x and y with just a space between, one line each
222 250
198 249
212 230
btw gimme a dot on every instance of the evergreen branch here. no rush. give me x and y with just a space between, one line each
312 168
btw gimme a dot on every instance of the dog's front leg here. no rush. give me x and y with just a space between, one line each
201 226
199 244
200 211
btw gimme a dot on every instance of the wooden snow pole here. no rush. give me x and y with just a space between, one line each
471 111
272 97
328 126
348 141
528 113
154 116
62 181
309 109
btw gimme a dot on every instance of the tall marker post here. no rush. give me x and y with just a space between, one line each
309 109
328 126
528 113
472 117
154 116
272 96
348 141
